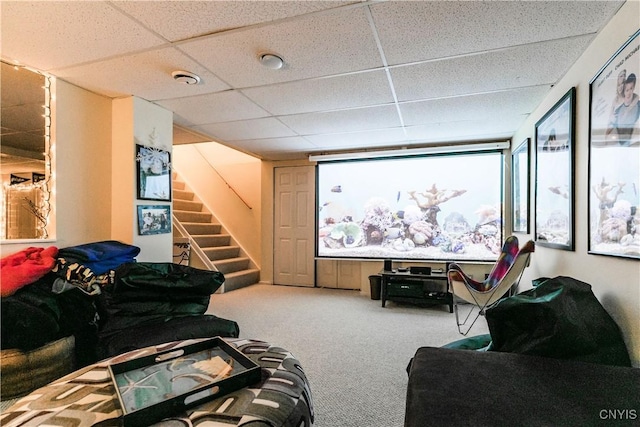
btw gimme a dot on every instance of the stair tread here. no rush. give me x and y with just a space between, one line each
198 213
234 259
242 272
187 207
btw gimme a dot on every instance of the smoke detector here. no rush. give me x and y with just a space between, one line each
271 60
185 77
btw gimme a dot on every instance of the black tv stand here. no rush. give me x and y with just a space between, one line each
421 289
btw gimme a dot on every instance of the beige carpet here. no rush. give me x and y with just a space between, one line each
353 351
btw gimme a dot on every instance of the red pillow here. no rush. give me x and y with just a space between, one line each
25 267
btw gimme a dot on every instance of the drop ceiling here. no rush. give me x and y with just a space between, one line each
357 75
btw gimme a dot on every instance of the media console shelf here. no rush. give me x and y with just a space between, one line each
427 289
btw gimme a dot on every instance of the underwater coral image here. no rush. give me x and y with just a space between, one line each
445 207
614 198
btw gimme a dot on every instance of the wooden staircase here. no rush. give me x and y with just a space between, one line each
209 236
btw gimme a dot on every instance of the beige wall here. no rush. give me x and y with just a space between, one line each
615 281
82 169
122 190
237 183
136 121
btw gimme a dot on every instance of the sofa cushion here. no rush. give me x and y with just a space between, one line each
451 387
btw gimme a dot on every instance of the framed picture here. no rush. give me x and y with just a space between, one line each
154 219
181 250
520 187
614 155
554 198
154 173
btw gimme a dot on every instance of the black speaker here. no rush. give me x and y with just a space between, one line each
420 270
388 265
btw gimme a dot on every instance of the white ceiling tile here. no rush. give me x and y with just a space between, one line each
414 30
309 49
538 64
473 107
54 34
331 93
344 120
496 128
461 70
179 20
214 108
339 141
274 145
183 122
248 129
147 75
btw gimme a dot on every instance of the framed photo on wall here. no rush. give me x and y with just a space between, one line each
154 219
153 173
614 155
554 198
520 187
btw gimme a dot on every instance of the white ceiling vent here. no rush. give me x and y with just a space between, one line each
272 61
185 77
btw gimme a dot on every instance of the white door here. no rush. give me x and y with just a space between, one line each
294 226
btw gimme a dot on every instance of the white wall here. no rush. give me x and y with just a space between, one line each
615 281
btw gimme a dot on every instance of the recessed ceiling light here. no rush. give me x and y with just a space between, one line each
186 77
272 61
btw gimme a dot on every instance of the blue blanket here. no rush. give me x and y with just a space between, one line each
100 257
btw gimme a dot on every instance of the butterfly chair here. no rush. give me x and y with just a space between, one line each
505 276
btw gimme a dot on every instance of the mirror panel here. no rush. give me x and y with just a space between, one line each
25 147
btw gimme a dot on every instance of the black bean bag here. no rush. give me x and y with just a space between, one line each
560 318
159 332
153 303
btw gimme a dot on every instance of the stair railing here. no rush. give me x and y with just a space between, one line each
194 245
222 178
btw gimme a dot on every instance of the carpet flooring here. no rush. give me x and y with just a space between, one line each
353 351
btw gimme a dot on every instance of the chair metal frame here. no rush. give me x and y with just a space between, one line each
463 287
